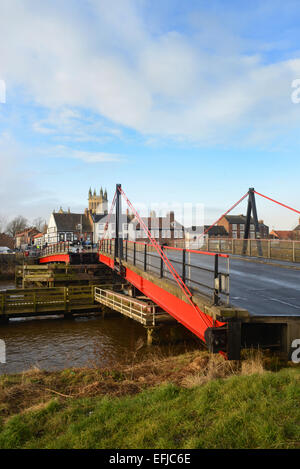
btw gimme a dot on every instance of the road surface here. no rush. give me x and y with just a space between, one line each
261 288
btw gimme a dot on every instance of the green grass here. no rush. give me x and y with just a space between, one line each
257 411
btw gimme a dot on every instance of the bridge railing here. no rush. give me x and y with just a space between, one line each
57 248
133 308
65 247
277 249
203 272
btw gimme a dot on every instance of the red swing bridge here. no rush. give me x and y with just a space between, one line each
156 283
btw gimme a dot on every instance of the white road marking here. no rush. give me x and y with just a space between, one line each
285 303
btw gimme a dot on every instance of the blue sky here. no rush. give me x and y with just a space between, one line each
179 101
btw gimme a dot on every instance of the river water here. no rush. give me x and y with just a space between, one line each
54 344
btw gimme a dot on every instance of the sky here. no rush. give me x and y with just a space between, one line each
181 102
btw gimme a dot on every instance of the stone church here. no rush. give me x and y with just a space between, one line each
98 204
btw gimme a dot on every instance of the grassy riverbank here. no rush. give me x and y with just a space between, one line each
188 401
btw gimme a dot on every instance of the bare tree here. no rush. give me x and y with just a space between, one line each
39 223
18 224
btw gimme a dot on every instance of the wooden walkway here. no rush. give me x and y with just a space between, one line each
59 275
143 311
48 301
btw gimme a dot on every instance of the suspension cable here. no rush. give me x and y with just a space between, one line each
171 268
276 202
224 214
108 220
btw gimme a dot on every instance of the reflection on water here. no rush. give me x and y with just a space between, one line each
6 285
53 344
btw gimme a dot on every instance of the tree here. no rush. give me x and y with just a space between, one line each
18 224
39 224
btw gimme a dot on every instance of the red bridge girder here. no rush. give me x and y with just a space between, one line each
55 258
177 308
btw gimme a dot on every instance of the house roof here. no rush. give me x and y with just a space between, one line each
26 231
282 234
157 222
70 221
237 219
39 235
112 219
216 230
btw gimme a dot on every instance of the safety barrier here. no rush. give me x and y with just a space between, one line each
204 272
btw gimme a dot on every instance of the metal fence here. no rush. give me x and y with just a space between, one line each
203 272
264 248
65 247
285 250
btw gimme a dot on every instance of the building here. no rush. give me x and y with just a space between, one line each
25 238
263 230
195 237
38 240
67 226
100 221
235 227
283 235
98 204
163 229
216 231
296 232
287 235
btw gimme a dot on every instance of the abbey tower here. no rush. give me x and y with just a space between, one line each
98 204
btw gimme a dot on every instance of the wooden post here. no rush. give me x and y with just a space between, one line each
34 302
269 248
3 303
65 297
294 257
149 336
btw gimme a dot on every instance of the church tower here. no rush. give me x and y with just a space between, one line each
98 203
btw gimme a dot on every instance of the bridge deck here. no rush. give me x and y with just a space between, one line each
259 288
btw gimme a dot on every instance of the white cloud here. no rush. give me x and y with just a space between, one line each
168 84
61 151
20 191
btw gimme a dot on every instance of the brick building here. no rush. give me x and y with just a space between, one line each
235 227
25 238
